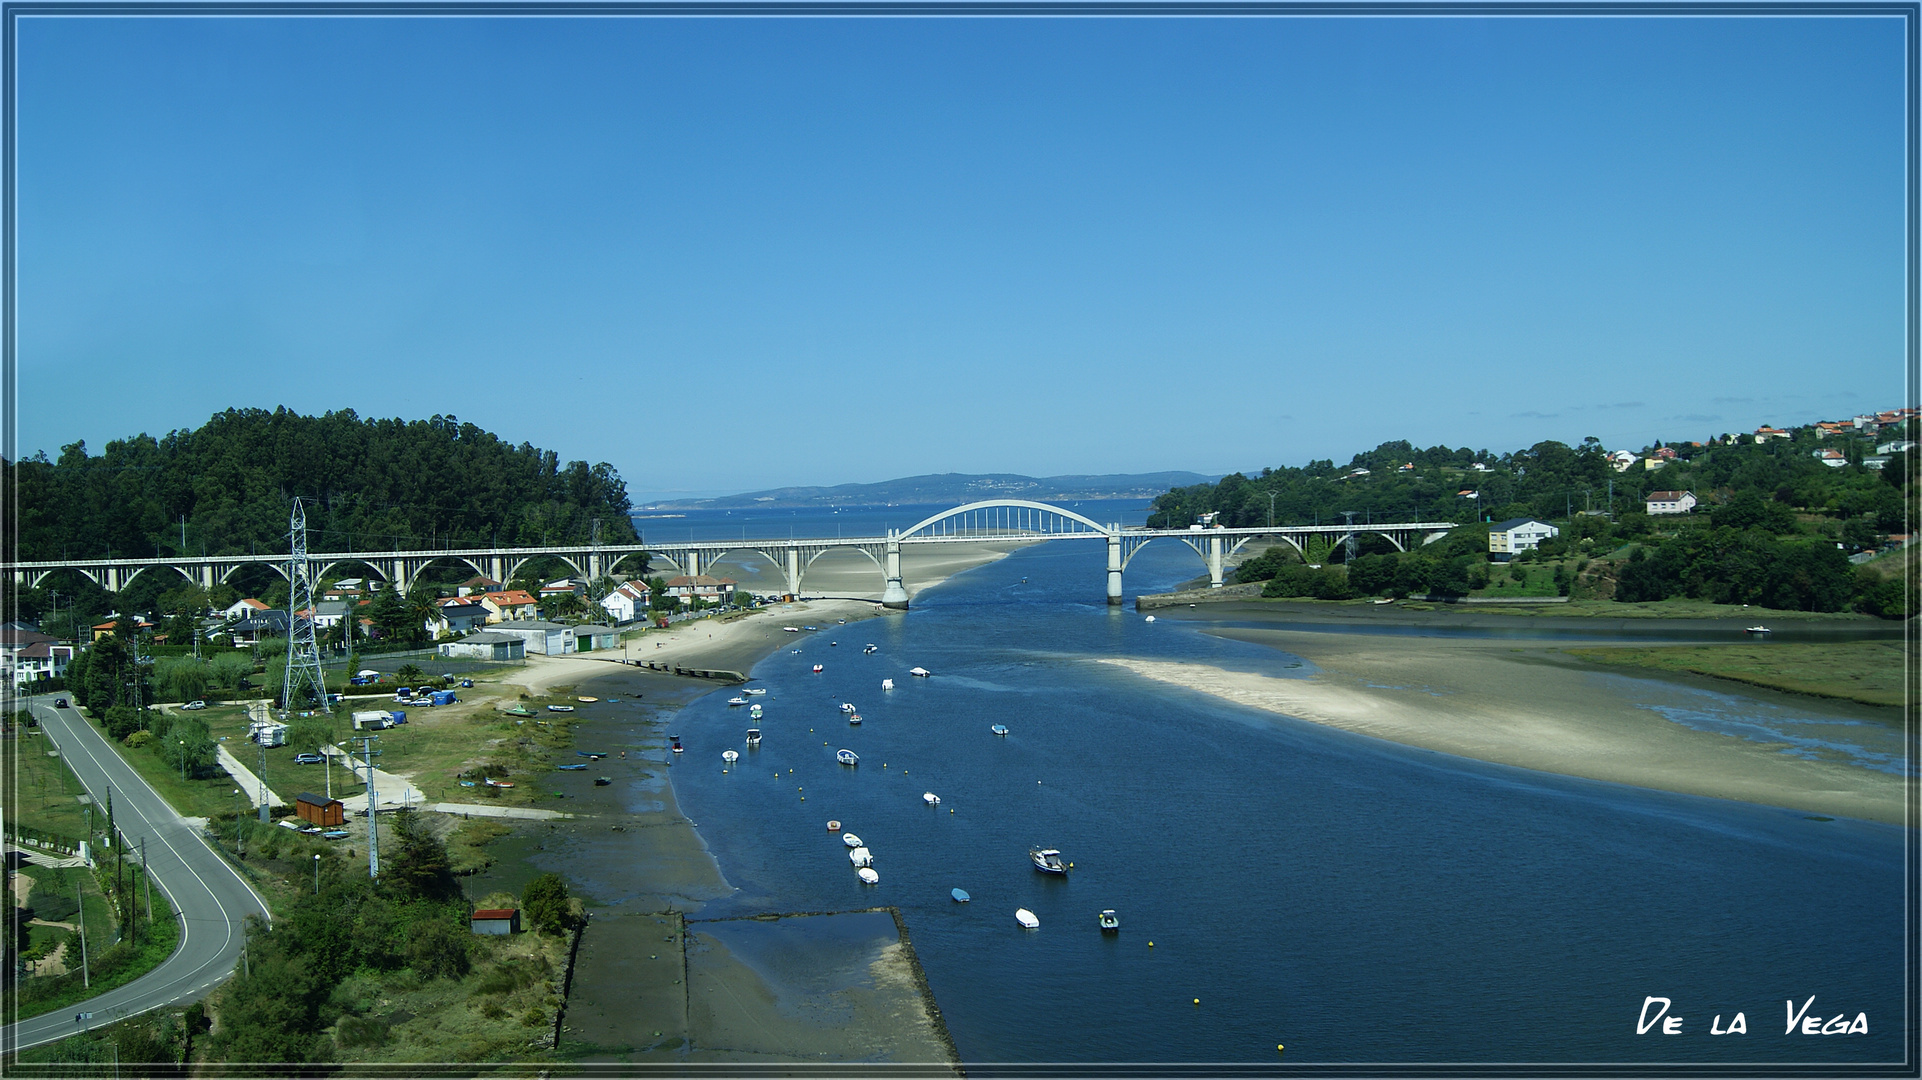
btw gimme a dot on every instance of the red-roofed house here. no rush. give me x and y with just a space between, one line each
512 605
712 590
1671 502
628 602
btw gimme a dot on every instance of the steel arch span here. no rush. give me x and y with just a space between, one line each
1022 524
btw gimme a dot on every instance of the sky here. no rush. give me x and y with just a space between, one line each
726 254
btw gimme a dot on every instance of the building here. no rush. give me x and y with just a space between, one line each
1670 502
486 645
628 602
495 921
457 616
562 587
347 588
512 605
589 637
1897 446
1516 535
320 810
708 589
31 655
479 584
264 624
541 637
1834 459
331 613
1620 460
240 609
1765 433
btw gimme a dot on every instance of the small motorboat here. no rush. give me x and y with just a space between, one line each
602 781
754 736
818 669
1026 919
810 628
595 754
560 708
870 647
613 701
868 876
674 743
334 834
1047 860
847 706
1760 630
470 783
887 684
960 895
792 629
850 840
587 699
498 783
931 798
861 857
1150 618
519 711
754 710
847 757
999 729
730 756
834 826
573 768
756 692
831 644
1110 922
919 672
737 701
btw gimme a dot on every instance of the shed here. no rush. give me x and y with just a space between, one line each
320 810
496 921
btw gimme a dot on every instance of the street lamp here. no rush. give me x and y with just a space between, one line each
183 759
316 875
239 849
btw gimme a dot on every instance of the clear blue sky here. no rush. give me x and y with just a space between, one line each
733 254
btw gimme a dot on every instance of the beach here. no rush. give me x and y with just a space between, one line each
1528 704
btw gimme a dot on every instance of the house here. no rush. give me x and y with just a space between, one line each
141 624
711 590
265 624
479 584
1826 428
330 613
1517 535
544 638
320 810
1896 446
509 606
589 637
240 609
1478 466
1765 433
32 655
457 618
501 921
564 586
1834 459
350 588
1670 502
628 602
1407 466
1620 460
1653 463
486 645
1875 461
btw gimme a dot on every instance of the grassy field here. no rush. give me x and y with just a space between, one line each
1678 608
42 794
1870 672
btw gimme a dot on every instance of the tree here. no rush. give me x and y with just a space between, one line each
544 903
419 866
307 734
409 673
189 745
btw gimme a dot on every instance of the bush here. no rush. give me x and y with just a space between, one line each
359 1031
544 904
139 739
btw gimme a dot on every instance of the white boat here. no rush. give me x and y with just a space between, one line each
850 840
560 708
847 706
1110 922
730 756
817 669
754 710
754 736
587 699
868 876
861 857
1026 919
919 672
834 826
792 629
756 692
1760 630
846 757
931 798
870 648
999 729
854 719
1150 618
887 684
1047 860
737 701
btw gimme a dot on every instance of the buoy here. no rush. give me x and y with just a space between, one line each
1278 1047
1151 944
1197 1001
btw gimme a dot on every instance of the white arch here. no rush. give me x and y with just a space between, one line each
1023 503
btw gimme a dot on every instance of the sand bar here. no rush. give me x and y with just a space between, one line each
1530 706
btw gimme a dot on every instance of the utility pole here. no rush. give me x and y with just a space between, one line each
146 879
1349 541
86 979
367 754
1271 509
266 813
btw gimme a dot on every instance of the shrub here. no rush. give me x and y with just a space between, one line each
139 739
360 1031
438 951
544 904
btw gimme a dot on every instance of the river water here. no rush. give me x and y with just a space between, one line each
1356 900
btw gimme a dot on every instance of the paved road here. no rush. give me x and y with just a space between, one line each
209 894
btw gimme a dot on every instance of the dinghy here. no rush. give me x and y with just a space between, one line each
846 757
730 756
960 895
1026 919
931 798
999 729
868 876
850 840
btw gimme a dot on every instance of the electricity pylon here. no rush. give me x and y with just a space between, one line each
303 652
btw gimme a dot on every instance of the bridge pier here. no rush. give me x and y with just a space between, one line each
1114 567
1214 562
793 560
894 595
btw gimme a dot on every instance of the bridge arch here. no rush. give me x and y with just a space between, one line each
372 568
1093 527
516 565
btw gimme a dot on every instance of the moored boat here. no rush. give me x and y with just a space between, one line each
854 719
1026 919
834 826
960 895
868 876
1759 630
1110 922
861 857
754 736
847 757
737 701
730 756
887 684
919 672
519 711
560 708
572 768
587 699
602 781
847 706
754 710
931 798
870 647
674 743
756 691
850 840
818 669
1047 860
999 729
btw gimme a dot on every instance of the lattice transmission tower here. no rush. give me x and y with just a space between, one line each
303 652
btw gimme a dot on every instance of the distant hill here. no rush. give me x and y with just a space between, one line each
955 488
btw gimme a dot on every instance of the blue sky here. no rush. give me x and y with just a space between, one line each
727 254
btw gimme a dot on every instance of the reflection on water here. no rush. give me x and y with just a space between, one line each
1856 742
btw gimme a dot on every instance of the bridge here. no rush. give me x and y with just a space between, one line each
994 521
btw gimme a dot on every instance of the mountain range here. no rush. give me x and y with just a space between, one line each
955 488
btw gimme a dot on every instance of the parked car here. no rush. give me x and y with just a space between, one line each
308 759
193 706
467 684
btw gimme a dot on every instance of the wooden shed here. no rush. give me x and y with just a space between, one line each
320 810
495 921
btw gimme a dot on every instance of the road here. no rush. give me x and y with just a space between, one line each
211 897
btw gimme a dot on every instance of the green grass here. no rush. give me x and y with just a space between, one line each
109 964
43 795
1870 672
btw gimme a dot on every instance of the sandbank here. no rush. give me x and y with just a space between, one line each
1526 705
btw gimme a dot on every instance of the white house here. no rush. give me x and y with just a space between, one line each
712 590
545 638
564 585
1621 459
241 609
1670 502
1899 446
628 602
1517 535
487 645
1834 459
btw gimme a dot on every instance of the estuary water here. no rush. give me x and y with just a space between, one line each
1355 900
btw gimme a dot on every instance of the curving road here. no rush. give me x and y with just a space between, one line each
211 897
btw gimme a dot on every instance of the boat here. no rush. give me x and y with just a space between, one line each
868 876
847 706
931 798
1760 630
674 743
595 754
754 736
1110 922
792 629
831 644
887 684
834 826
846 757
1026 919
960 895
817 669
519 711
861 857
613 701
850 840
498 783
999 729
602 781
573 768
754 711
737 701
334 834
1150 618
756 692
870 647
919 672
854 719
730 756
587 699
560 708
1046 860
810 628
